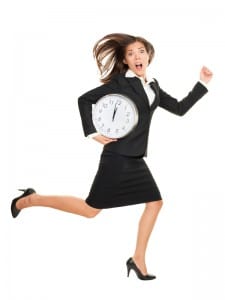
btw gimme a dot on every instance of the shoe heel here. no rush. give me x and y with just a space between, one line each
132 266
128 271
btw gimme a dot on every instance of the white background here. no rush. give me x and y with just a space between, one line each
46 63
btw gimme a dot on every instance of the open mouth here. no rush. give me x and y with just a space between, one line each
138 66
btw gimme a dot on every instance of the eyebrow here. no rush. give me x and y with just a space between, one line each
138 49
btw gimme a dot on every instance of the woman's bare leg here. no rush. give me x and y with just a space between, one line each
146 225
65 203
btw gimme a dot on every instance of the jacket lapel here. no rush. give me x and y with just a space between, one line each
134 85
137 87
155 87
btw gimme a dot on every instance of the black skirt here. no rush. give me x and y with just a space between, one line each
121 181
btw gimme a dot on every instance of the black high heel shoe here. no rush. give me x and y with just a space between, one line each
26 192
132 266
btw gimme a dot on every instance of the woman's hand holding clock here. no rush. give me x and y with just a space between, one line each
103 139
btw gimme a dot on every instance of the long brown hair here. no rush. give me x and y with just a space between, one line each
109 53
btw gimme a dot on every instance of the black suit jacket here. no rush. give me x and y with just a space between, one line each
135 144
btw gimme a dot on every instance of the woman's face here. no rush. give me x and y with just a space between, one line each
137 58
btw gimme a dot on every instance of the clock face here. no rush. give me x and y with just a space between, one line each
115 115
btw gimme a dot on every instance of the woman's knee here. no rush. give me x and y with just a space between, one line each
92 212
156 205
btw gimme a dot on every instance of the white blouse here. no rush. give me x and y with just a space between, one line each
146 85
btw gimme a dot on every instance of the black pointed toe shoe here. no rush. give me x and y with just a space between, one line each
26 192
132 266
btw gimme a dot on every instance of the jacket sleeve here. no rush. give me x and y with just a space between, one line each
181 107
85 103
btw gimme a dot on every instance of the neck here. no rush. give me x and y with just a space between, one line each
143 77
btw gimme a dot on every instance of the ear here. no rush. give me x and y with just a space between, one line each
124 61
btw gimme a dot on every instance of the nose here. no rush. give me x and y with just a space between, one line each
137 55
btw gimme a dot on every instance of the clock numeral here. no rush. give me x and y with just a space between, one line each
125 108
127 114
118 102
117 130
111 102
108 130
99 119
124 127
102 125
105 105
127 120
100 111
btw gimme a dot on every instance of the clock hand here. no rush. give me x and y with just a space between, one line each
114 113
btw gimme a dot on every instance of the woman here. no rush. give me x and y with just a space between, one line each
123 177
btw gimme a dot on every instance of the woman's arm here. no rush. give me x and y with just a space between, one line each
85 103
85 106
181 107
